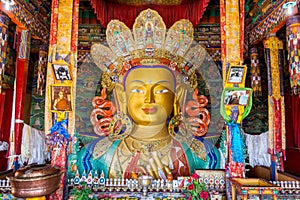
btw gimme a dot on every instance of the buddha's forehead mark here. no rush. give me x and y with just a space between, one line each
150 80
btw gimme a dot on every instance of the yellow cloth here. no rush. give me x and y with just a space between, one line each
37 198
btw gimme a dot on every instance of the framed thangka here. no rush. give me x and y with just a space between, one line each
237 97
236 74
61 98
61 72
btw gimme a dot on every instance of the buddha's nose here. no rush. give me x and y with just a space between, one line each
149 97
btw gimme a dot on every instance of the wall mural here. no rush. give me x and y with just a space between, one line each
38 91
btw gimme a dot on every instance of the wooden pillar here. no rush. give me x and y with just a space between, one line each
61 77
21 82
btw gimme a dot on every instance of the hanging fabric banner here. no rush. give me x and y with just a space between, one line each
54 19
274 59
233 32
223 37
242 28
255 72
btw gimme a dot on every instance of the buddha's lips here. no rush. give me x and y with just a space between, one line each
149 110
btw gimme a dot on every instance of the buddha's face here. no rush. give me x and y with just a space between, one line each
150 95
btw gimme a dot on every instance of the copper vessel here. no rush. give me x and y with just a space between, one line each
4 174
35 181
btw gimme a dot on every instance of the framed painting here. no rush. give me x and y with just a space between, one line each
237 97
61 98
61 72
236 74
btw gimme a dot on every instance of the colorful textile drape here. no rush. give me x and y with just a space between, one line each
293 46
233 34
223 37
58 140
54 19
107 10
274 59
59 158
255 72
75 27
242 28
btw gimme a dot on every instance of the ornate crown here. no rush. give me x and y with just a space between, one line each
148 44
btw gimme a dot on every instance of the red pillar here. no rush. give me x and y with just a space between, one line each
4 21
21 81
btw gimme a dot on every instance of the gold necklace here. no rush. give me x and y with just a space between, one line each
134 145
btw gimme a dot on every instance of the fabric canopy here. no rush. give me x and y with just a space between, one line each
108 10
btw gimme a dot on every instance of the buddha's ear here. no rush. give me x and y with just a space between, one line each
120 97
180 94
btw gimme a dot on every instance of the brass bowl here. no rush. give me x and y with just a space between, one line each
34 187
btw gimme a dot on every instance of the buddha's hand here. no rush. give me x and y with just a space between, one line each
155 168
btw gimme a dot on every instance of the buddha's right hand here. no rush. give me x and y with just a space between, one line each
156 169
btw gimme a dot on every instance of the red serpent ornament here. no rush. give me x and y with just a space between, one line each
199 117
102 114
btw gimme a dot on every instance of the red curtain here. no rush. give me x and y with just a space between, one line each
296 120
292 119
107 11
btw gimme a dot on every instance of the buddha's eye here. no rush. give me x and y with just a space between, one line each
137 91
161 91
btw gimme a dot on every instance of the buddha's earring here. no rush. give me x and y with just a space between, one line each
120 126
176 125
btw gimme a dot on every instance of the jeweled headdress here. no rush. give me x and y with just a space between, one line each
148 44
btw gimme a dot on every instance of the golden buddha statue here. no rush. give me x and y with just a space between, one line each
144 130
149 96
